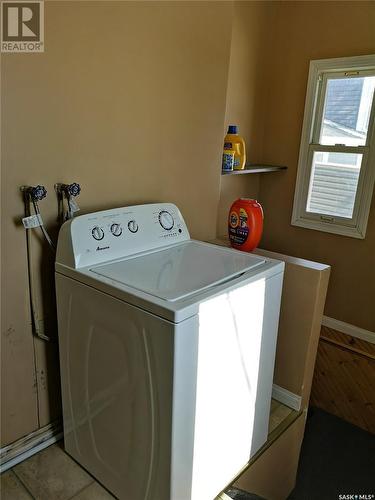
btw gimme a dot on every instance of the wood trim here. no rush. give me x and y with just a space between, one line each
349 342
352 330
344 378
341 345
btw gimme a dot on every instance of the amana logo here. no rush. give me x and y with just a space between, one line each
102 248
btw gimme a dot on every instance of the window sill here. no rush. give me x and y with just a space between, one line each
329 227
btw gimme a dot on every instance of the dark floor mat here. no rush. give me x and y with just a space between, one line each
337 458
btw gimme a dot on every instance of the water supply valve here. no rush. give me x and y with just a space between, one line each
32 195
73 189
36 193
67 192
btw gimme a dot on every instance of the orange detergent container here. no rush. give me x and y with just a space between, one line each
245 224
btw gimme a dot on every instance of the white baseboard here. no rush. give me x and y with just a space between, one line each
27 446
286 397
353 331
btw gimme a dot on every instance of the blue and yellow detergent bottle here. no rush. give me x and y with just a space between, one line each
234 142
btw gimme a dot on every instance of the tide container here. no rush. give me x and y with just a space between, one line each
234 142
245 224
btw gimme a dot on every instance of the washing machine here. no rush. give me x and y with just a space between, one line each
167 349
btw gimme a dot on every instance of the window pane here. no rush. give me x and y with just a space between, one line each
333 183
347 111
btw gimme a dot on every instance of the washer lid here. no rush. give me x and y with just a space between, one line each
180 271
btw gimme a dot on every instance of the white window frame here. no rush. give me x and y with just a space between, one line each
314 108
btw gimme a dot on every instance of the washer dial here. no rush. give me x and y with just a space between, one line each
132 226
166 220
116 229
97 233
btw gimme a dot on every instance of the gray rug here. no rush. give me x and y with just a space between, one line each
337 458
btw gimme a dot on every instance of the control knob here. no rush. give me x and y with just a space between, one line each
97 233
116 229
166 220
132 226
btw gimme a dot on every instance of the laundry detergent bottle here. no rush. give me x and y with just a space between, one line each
234 142
245 224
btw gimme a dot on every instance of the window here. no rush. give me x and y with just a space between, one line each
336 167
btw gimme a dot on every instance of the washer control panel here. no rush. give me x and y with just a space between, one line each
111 234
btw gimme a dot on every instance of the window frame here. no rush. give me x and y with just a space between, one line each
320 70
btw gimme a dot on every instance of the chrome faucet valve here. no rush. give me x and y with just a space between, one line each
36 193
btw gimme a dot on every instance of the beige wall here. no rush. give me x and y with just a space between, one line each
244 105
128 100
303 31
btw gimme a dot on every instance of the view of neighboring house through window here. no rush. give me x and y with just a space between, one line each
336 168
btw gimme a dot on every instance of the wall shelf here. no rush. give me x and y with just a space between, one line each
256 168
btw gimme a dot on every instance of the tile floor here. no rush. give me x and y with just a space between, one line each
52 474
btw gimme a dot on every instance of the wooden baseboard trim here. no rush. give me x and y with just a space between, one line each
27 446
347 347
352 330
286 397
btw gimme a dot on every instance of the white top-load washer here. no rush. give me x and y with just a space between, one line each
167 349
